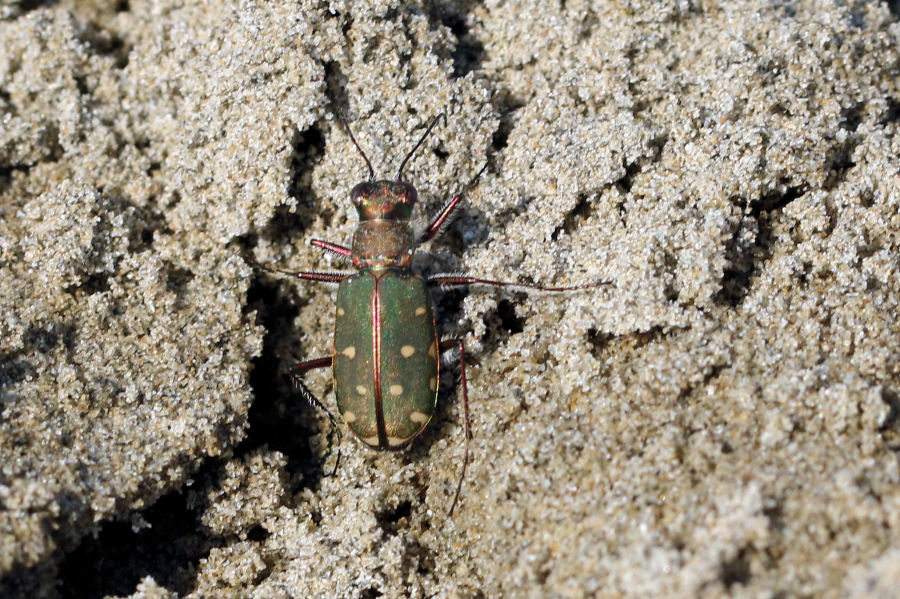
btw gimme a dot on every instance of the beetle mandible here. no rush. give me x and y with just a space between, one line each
385 354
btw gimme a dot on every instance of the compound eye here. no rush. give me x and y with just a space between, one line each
410 196
361 191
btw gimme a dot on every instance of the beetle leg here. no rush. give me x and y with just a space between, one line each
334 248
445 345
456 280
440 221
297 379
314 275
446 213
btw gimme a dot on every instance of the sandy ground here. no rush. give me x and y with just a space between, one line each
722 420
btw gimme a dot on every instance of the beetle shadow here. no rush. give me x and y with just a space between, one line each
500 324
279 416
448 309
448 391
308 148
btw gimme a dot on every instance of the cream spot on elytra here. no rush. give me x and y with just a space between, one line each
350 352
407 350
396 389
418 417
360 389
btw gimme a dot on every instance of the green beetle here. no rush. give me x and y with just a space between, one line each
385 356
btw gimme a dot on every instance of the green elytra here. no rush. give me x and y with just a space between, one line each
385 355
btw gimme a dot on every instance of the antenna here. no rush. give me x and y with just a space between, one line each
416 147
353 139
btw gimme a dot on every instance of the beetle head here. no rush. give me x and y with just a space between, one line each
384 200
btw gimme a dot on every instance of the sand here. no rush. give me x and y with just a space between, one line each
721 420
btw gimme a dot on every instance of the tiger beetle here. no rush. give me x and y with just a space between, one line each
385 352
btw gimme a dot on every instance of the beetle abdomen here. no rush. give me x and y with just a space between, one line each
385 357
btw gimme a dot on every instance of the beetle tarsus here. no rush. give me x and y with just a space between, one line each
445 345
312 400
